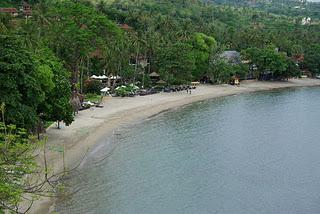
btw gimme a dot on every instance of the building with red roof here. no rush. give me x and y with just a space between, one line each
125 27
12 11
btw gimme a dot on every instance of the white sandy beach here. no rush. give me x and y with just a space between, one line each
90 126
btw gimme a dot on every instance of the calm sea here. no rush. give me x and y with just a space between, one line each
255 153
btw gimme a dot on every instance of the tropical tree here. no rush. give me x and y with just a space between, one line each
76 31
220 71
203 48
32 85
312 58
16 162
22 83
56 105
176 63
268 60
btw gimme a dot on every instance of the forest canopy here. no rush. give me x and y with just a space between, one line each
49 49
46 56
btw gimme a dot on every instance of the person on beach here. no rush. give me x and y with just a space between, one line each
190 91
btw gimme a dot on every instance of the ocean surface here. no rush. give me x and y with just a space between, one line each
254 153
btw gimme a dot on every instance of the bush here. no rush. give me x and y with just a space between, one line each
125 91
220 71
17 161
92 86
93 97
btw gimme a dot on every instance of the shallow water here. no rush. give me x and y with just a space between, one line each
253 153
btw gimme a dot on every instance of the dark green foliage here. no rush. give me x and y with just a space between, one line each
128 90
76 30
221 71
5 23
70 39
270 60
20 84
241 71
92 86
312 59
67 41
32 84
203 47
56 106
10 3
283 7
16 161
176 63
169 22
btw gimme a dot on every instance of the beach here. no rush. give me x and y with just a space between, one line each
93 125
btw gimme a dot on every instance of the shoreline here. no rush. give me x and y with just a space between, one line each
91 126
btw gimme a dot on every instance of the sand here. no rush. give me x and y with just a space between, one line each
92 126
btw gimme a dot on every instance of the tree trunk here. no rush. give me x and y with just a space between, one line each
81 75
136 65
75 73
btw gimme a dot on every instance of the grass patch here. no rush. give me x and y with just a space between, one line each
47 124
92 98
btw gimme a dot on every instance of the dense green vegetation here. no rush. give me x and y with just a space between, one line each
33 84
181 40
270 61
295 8
43 59
16 162
18 167
161 26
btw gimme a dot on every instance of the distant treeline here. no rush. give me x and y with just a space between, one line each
181 40
294 8
47 58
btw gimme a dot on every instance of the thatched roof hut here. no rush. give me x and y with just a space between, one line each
161 82
154 75
232 57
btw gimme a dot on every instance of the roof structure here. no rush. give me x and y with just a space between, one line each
125 27
106 89
161 82
103 77
8 10
154 74
114 77
97 53
231 56
298 58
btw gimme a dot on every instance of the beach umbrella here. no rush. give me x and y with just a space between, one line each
114 77
154 74
106 89
161 82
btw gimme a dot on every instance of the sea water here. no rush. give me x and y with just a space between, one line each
254 153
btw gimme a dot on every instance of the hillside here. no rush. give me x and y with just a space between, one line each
16 3
284 7
52 52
